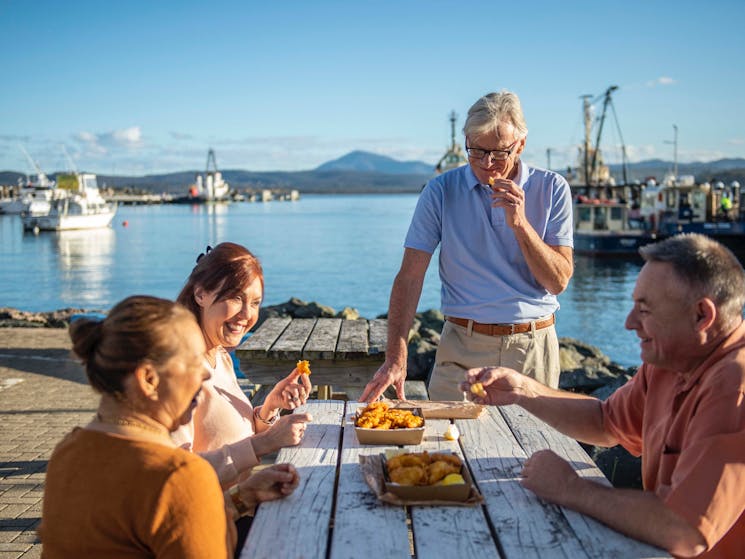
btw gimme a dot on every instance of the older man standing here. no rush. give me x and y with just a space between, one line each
505 236
683 411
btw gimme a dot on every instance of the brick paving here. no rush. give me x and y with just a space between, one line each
43 395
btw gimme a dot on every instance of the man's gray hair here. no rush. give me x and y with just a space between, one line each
492 109
708 267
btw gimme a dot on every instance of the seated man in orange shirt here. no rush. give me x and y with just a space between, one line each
683 411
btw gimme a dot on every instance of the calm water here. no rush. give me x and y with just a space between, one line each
335 250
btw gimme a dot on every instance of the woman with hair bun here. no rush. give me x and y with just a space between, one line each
119 487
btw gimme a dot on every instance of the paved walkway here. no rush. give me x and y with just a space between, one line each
43 395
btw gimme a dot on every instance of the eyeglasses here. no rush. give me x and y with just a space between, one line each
496 154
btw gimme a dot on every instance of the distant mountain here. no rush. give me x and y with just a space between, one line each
372 162
361 172
721 169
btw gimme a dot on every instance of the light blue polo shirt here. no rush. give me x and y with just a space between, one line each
483 273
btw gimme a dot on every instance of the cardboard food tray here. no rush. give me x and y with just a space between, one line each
432 409
374 473
391 436
459 492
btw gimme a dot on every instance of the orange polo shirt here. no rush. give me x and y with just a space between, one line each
690 432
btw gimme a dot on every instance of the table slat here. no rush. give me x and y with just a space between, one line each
292 341
527 527
306 514
322 341
266 335
364 526
352 340
378 335
599 540
449 531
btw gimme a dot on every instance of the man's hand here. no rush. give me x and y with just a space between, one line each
506 194
500 386
549 476
388 374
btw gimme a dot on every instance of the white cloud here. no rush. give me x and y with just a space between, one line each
106 141
662 80
86 137
736 141
131 136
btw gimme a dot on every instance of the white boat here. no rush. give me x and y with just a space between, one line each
82 207
33 195
207 187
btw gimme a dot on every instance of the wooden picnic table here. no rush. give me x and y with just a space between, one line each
334 514
341 352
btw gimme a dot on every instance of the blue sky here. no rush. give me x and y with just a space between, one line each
141 87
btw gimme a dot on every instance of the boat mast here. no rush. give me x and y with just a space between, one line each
675 151
586 110
606 100
453 119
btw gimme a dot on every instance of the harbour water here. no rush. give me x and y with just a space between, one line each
341 250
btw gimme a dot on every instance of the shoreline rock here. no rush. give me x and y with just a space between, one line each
584 368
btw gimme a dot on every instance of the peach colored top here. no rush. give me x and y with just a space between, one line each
110 496
690 432
221 424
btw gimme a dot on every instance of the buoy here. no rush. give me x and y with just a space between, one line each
36 229
125 223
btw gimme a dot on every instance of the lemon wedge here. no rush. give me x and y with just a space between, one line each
452 479
451 433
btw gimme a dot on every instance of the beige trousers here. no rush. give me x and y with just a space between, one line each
534 353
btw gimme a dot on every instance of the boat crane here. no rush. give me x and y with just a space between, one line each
592 167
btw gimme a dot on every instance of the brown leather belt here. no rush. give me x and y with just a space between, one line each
502 329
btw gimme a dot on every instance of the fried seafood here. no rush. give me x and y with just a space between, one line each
422 468
478 389
405 460
378 415
439 469
303 367
409 475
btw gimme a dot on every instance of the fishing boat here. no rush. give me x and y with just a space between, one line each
82 207
608 226
208 186
454 156
681 205
615 220
607 216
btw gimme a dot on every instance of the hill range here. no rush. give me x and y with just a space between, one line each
363 172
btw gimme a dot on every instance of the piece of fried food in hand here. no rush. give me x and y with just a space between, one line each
304 367
408 475
478 389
